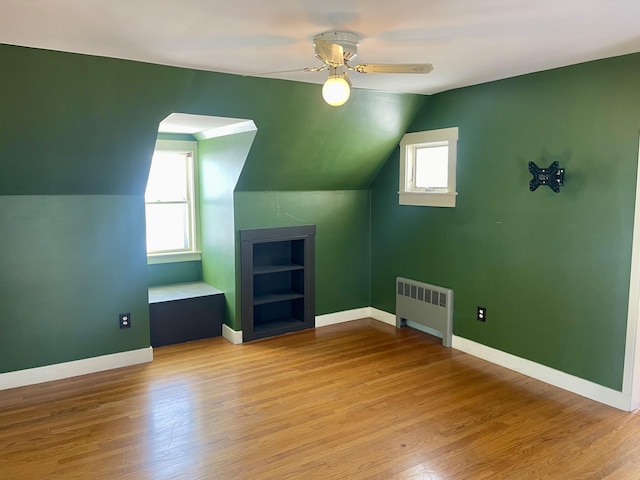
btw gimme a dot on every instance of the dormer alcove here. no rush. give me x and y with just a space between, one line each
220 149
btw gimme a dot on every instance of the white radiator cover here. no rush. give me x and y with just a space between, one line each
427 305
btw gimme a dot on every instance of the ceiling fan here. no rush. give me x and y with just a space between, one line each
336 50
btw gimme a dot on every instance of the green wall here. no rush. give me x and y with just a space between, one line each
221 161
76 138
342 238
552 269
69 266
175 272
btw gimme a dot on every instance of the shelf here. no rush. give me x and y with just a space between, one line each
278 324
261 270
278 297
277 283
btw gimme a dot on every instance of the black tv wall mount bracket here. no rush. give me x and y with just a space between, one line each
553 176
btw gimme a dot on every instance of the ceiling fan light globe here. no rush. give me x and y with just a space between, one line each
336 91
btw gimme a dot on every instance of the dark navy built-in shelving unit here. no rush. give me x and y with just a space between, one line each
277 280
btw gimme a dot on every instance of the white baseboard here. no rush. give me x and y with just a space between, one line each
382 316
75 368
390 319
545 374
234 336
341 317
532 369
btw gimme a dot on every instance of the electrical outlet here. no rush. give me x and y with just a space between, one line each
125 320
481 314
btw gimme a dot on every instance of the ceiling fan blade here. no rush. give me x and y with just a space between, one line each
275 72
393 68
330 53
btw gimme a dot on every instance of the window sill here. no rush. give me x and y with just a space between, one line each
428 199
173 257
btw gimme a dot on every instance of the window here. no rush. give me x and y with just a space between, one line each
428 168
170 200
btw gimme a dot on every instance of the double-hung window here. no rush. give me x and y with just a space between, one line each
428 168
170 205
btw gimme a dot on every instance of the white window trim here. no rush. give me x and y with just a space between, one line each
436 198
194 254
157 258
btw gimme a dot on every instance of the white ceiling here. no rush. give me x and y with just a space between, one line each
204 126
467 41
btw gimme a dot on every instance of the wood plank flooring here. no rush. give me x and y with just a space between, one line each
360 400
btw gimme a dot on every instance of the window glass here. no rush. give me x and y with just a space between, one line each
432 167
169 204
167 227
167 177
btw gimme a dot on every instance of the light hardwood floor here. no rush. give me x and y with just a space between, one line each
360 400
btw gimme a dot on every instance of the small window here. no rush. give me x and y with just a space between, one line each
169 199
428 168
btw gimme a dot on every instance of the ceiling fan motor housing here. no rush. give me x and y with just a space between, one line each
347 40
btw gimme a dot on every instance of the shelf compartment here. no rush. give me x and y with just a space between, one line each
284 252
276 315
288 282
278 326
277 297
261 270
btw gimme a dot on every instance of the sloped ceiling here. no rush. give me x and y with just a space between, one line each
81 125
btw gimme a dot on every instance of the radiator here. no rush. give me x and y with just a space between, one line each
422 305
